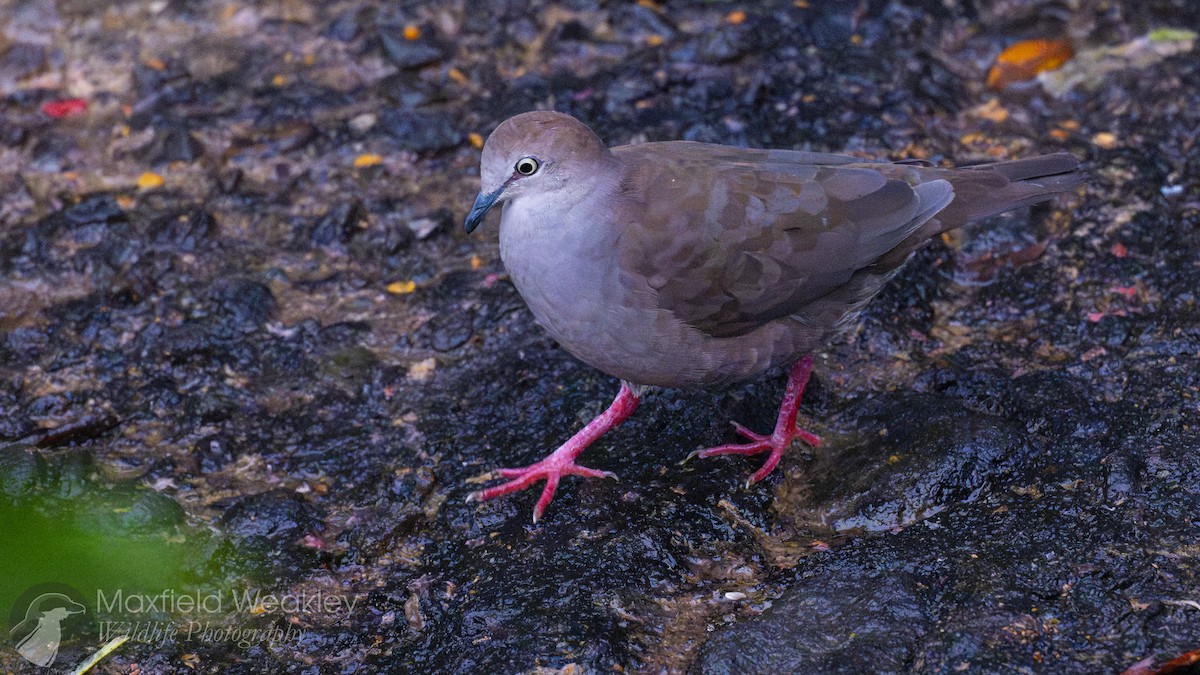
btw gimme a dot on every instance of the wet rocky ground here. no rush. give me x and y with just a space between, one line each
244 344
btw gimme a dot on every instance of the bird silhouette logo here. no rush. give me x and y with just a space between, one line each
40 633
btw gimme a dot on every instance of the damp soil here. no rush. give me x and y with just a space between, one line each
244 344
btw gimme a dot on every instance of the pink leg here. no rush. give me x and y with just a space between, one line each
561 462
785 427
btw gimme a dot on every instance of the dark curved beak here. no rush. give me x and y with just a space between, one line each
483 203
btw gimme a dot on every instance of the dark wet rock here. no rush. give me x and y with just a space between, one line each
382 240
101 209
406 53
22 470
573 31
388 508
216 59
22 59
180 343
186 231
639 19
242 304
278 137
278 514
342 334
25 344
421 131
134 511
1043 556
213 405
175 144
726 43
351 365
76 431
862 620
428 225
338 225
349 24
450 332
407 90
14 423
908 458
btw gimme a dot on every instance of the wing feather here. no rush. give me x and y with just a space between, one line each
732 239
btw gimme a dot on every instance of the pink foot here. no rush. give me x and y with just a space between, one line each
561 462
785 427
549 469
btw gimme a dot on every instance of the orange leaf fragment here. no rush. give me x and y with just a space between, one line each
1024 60
735 17
367 159
401 287
149 181
992 111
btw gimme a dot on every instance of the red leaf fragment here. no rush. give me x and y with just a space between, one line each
64 107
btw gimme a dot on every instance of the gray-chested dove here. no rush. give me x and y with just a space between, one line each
679 264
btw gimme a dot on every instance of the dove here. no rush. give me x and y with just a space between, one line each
680 264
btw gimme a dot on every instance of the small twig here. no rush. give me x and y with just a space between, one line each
108 648
88 427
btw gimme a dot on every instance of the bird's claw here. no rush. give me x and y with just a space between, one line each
550 470
775 444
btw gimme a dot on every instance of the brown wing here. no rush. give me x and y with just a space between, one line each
731 239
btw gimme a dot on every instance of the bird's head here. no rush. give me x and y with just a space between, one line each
533 153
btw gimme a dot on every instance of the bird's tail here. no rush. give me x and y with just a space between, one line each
991 189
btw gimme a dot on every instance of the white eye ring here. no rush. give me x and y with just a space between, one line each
527 166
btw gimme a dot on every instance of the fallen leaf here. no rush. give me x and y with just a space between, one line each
992 111
1180 665
401 287
149 181
64 107
422 371
1090 68
1024 60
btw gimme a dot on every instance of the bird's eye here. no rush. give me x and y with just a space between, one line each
527 166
